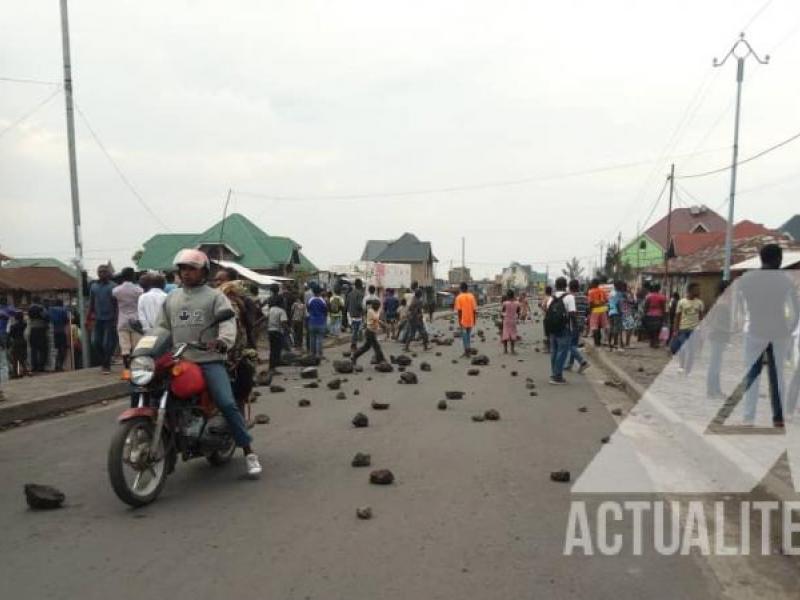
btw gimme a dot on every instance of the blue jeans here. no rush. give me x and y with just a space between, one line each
316 334
754 350
466 335
355 325
559 349
686 349
575 353
219 387
103 341
713 386
336 325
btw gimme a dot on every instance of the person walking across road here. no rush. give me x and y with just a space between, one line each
355 312
560 324
689 312
511 314
391 306
317 321
416 323
581 311
277 324
598 312
466 307
655 306
298 321
373 328
336 309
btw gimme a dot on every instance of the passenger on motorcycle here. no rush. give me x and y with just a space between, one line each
186 314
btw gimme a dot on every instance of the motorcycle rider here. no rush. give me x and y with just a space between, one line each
186 314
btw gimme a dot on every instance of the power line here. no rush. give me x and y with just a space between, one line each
757 14
29 81
121 175
655 204
31 112
456 188
742 162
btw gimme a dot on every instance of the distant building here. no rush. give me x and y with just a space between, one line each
521 277
235 239
19 285
650 247
405 250
458 274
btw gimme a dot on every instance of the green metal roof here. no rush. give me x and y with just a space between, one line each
16 263
254 248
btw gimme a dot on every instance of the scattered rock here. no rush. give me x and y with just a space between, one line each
425 367
473 352
347 354
262 419
277 389
438 353
356 393
442 405
615 383
583 409
358 369
403 360
605 439
480 361
473 372
560 476
514 373
311 386
364 513
381 477
478 418
369 378
530 385
640 369
617 412
303 402
413 355
534 393
409 378
43 497
361 459
453 395
360 420
379 405
309 373
343 366
537 350
255 394
491 415
454 361
263 378
401 369
384 367
341 396
334 384
309 360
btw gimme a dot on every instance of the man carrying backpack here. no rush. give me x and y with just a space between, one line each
560 321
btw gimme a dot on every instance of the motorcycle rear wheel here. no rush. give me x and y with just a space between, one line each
131 438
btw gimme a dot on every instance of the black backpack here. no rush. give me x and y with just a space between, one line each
556 319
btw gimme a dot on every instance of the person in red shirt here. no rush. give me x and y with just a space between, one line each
655 307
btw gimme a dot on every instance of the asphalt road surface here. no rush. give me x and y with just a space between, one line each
472 513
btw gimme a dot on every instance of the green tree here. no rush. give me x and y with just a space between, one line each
573 269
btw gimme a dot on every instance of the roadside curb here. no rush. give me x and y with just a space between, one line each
43 407
771 484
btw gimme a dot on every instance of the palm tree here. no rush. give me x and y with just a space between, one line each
573 269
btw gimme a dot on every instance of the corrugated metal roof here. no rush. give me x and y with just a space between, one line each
684 220
36 279
406 249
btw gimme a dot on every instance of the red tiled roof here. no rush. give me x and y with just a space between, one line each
685 244
36 279
683 221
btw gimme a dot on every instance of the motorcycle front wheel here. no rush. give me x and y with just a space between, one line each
136 479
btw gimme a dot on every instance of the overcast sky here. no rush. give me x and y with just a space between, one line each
337 98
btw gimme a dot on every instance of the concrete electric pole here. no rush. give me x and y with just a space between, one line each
740 50
73 178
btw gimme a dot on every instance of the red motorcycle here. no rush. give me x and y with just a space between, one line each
174 415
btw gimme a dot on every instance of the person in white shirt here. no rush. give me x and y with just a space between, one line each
150 303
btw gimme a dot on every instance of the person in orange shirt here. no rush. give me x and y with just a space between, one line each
467 308
598 311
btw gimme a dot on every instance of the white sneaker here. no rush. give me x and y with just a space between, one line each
253 466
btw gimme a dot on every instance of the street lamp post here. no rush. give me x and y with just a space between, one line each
744 50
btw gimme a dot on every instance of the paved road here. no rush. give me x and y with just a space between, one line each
472 514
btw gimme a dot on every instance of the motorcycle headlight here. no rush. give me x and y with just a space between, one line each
142 370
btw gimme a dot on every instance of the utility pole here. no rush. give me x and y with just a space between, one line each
744 50
73 179
463 259
671 178
222 225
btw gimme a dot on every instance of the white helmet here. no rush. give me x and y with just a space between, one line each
192 258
